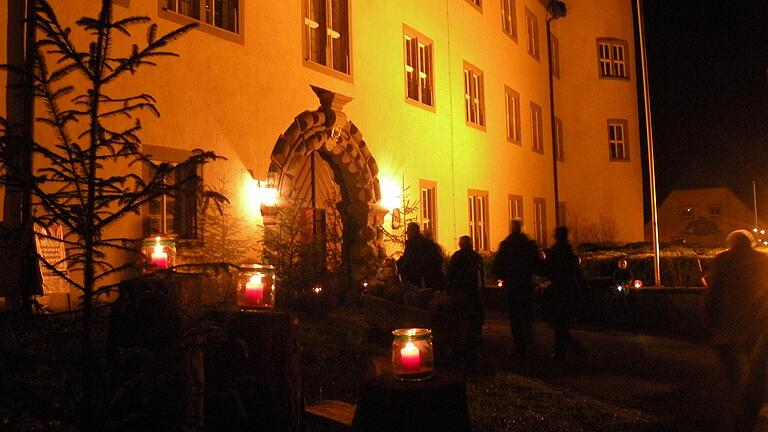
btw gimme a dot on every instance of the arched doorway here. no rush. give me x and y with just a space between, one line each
321 162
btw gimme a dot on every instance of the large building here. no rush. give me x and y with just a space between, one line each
447 100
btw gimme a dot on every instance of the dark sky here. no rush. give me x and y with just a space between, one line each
709 92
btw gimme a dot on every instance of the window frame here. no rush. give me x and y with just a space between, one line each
533 45
428 186
174 156
476 4
410 34
474 96
613 143
306 50
611 63
180 18
718 213
559 140
537 128
480 231
512 117
509 18
555 49
540 221
687 212
518 201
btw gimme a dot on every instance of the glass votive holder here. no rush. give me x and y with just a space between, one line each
256 287
159 253
412 354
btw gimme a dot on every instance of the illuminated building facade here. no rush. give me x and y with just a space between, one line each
445 99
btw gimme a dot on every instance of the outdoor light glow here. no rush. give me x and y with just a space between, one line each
500 283
317 289
391 195
754 229
638 283
255 194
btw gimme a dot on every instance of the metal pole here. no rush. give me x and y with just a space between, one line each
552 121
649 141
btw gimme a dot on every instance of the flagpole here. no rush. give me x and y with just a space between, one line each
649 141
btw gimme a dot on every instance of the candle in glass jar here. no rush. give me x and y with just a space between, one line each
410 358
159 258
254 289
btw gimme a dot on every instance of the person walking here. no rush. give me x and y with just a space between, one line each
422 262
562 269
516 261
465 280
735 308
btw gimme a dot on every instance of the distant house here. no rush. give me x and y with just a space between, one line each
701 216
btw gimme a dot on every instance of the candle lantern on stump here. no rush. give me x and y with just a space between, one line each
159 253
412 354
256 287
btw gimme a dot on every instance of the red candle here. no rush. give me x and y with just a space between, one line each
254 289
410 358
159 258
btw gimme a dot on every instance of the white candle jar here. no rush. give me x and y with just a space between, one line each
256 287
412 354
159 253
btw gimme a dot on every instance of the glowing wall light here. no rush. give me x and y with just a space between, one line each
257 193
391 194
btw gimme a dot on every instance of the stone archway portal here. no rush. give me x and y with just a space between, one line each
327 133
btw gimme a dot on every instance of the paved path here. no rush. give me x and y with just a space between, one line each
678 381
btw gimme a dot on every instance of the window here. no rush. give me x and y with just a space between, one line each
617 140
555 47
478 219
174 213
512 102
514 209
714 211
474 99
509 19
540 221
559 147
418 67
532 28
326 34
687 212
561 219
612 58
478 4
537 128
224 14
428 205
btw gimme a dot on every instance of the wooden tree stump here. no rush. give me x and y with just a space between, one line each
253 362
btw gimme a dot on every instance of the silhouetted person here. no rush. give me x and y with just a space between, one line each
421 263
622 276
515 263
465 280
562 268
735 308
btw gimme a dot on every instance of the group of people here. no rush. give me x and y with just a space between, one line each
516 263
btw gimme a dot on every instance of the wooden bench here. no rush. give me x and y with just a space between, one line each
329 416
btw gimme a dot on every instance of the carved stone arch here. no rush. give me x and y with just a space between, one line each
328 132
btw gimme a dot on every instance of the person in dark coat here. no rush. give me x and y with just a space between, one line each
515 263
465 280
735 308
622 275
422 262
562 268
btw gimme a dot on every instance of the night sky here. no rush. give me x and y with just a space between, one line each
709 92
